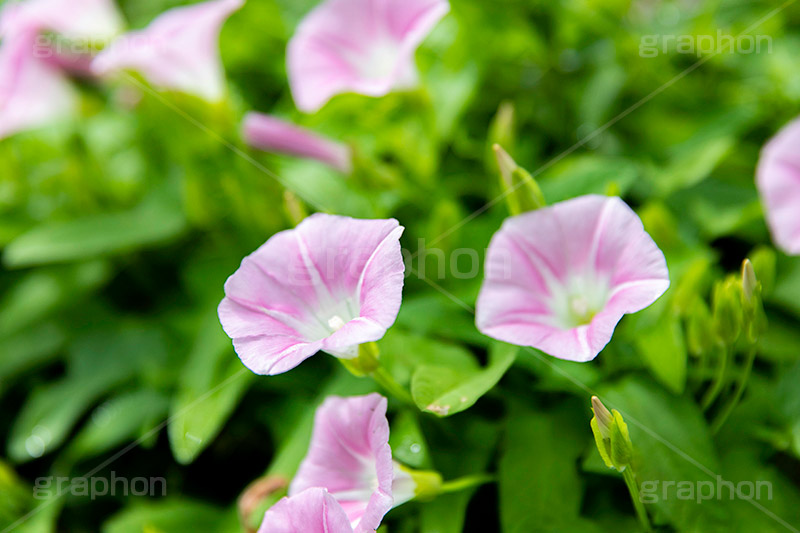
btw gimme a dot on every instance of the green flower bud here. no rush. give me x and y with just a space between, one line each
611 436
753 316
521 191
764 260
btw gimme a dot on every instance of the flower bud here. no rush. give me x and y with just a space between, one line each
764 259
611 436
521 191
700 333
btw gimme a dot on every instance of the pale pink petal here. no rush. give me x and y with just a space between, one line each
350 457
778 180
91 21
361 46
275 135
559 279
178 51
311 511
32 92
330 284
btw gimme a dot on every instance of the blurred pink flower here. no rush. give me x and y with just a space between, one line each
311 511
350 457
559 279
78 20
32 91
778 180
361 46
178 51
275 135
330 284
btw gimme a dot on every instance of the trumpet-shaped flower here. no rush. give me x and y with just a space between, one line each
88 20
178 51
330 284
32 91
311 511
559 279
778 180
274 135
361 46
350 457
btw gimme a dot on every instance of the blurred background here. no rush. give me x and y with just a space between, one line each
119 228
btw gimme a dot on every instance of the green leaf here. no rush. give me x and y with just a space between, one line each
407 441
445 391
119 420
45 291
155 221
663 349
172 516
211 385
539 461
29 348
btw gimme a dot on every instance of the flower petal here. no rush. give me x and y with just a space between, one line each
32 92
311 511
559 279
778 180
350 456
274 135
179 50
361 46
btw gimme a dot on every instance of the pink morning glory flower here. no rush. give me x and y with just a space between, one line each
361 46
560 278
778 180
330 284
275 135
311 511
350 457
178 51
33 92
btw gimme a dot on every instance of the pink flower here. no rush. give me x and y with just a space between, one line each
559 279
274 135
350 457
32 91
178 51
330 284
778 180
361 46
312 511
92 20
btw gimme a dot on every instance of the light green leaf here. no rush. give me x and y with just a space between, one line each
157 220
211 385
445 391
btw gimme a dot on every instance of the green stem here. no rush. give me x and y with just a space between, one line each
466 482
633 488
383 378
719 379
723 414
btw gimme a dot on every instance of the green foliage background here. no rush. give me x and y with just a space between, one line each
119 228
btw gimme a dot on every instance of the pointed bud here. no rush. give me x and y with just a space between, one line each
611 436
603 416
502 129
749 282
521 191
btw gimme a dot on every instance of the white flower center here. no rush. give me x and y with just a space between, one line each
578 301
336 323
